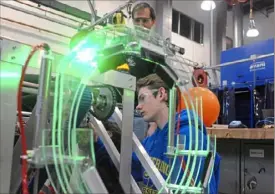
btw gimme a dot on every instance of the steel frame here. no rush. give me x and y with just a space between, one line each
121 161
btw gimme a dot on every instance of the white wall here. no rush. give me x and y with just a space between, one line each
264 24
194 51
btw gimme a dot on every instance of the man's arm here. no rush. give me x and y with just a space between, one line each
136 168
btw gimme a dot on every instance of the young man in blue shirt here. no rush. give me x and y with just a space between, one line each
153 106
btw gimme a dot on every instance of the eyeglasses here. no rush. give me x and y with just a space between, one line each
142 20
143 98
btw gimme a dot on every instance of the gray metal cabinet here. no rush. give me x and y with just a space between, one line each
257 168
247 166
229 168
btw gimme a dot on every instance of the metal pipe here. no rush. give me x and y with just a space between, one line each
29 84
24 113
171 123
211 45
109 15
43 97
38 15
239 61
143 157
29 90
48 11
211 41
34 27
237 25
92 8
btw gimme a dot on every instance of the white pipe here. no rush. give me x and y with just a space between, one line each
93 11
237 25
29 84
48 11
214 73
24 113
38 15
239 61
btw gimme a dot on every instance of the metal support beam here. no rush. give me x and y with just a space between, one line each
43 97
8 88
93 11
94 181
145 159
126 140
112 151
123 161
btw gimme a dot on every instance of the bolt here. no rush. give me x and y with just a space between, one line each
14 47
13 57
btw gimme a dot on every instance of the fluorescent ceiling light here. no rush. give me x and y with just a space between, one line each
252 30
208 5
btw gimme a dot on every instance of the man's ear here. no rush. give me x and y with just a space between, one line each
154 23
163 93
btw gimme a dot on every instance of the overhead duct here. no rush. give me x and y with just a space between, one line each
220 29
237 25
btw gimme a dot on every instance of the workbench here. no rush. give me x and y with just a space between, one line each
242 133
246 153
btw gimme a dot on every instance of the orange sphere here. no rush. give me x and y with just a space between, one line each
209 101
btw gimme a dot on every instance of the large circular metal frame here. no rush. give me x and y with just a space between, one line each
68 161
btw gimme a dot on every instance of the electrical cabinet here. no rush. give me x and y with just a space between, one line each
229 166
247 166
258 168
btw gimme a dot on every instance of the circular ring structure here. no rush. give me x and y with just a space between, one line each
73 79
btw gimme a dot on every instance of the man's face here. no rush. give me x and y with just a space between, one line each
150 102
142 18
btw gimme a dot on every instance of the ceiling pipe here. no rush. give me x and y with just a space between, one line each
93 11
38 15
34 27
237 25
47 11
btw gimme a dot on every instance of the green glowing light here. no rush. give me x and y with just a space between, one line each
9 75
72 75
86 55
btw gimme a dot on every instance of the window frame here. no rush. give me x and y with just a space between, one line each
192 27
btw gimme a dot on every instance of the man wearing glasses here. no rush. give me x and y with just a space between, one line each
144 15
153 106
